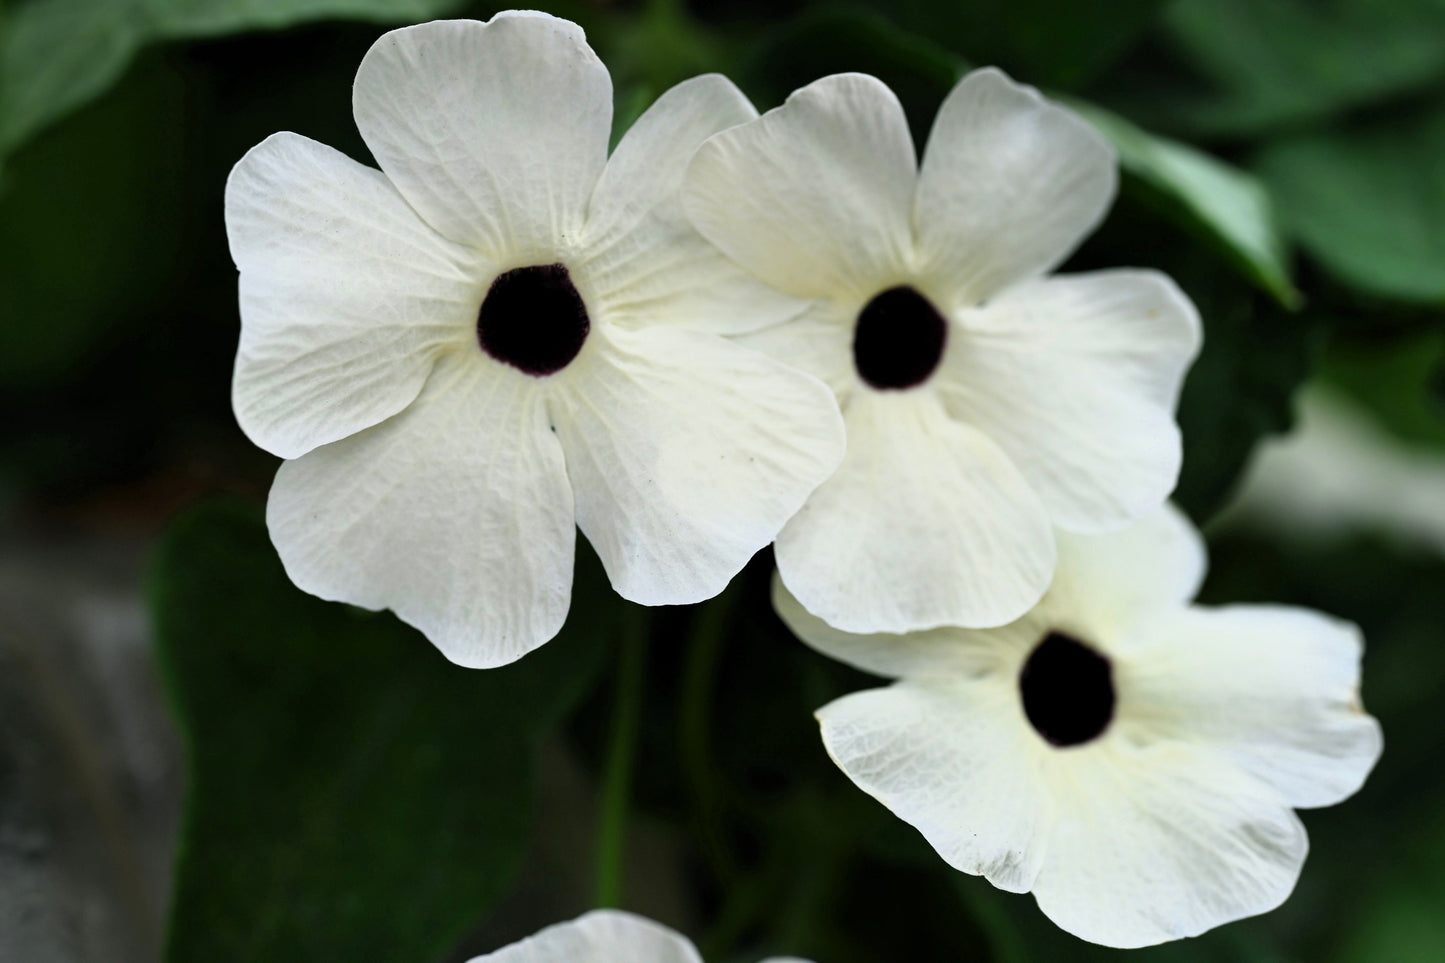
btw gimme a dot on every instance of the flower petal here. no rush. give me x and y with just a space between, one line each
1106 583
818 341
688 453
456 514
495 132
1163 840
644 260
1010 183
814 196
1076 378
601 936
941 651
346 295
953 759
1277 689
926 523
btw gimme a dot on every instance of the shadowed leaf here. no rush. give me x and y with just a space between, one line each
353 795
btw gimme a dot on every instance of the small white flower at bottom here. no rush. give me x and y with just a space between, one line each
1132 760
604 936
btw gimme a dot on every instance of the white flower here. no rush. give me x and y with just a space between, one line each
1132 760
603 936
503 331
983 400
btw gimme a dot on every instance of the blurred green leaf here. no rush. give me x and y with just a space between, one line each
89 227
353 796
839 39
1224 203
1241 389
1401 921
648 50
1059 43
1271 63
1369 204
58 54
1397 380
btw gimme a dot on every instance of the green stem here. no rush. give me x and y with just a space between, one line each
621 756
822 857
693 728
745 902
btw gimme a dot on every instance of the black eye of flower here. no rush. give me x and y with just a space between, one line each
899 339
1068 690
533 319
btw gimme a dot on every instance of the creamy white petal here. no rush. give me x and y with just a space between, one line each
926 523
1155 841
815 196
1105 584
953 758
1076 377
1010 183
456 514
819 341
602 936
688 453
945 651
346 295
495 132
1277 689
644 260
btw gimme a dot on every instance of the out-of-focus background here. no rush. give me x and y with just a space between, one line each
352 796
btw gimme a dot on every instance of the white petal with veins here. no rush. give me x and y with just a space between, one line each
688 454
1010 184
1076 377
495 132
347 297
812 197
925 523
456 514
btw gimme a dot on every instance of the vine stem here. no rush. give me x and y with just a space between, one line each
621 756
694 721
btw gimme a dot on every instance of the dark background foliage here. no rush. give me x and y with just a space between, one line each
353 796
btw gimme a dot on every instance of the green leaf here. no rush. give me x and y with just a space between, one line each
1271 63
353 795
56 55
1369 204
831 40
1396 380
1401 921
88 228
1061 43
1241 387
1226 205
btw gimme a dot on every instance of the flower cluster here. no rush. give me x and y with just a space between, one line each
741 330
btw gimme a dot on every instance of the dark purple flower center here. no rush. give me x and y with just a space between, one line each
533 319
899 339
1068 690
